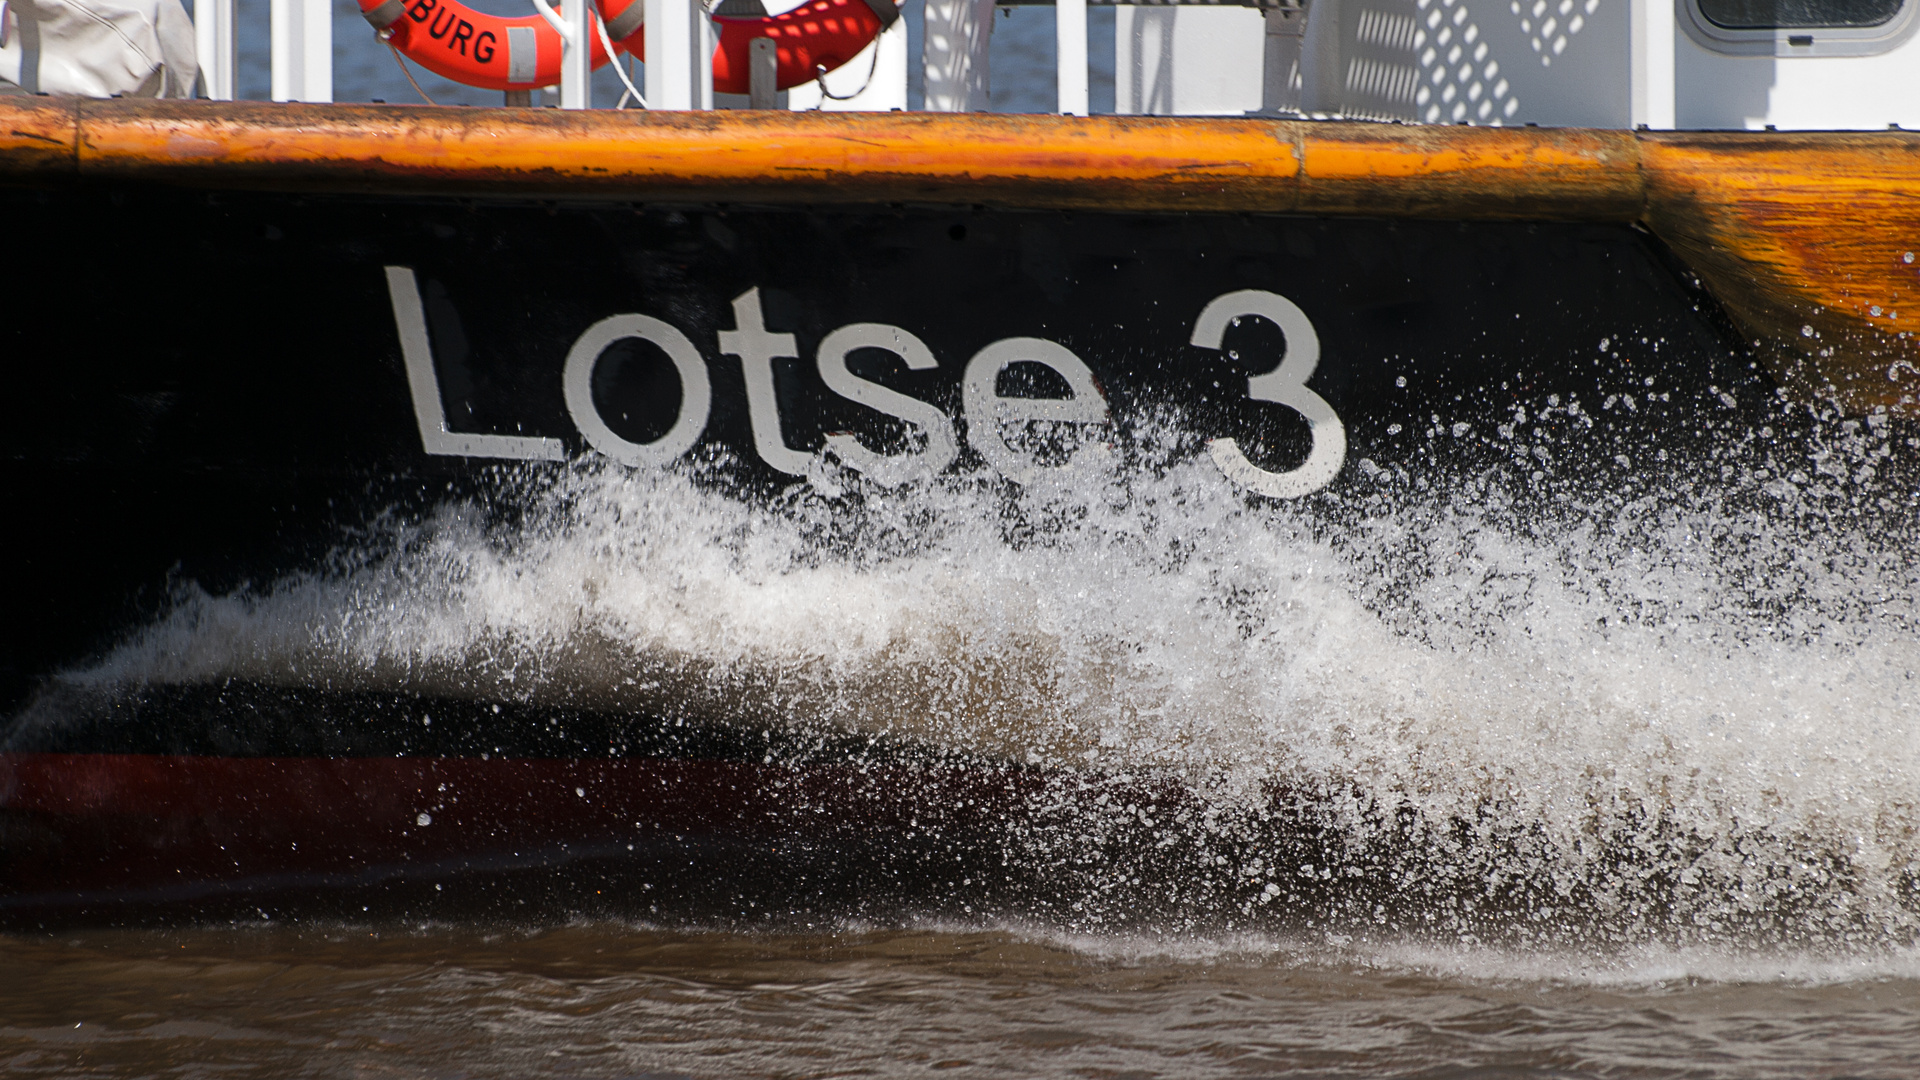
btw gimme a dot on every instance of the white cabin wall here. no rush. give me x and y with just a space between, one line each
1550 62
1714 90
1557 63
1567 63
954 61
1188 61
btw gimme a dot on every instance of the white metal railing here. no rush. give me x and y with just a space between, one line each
680 45
1172 58
679 74
301 34
1070 56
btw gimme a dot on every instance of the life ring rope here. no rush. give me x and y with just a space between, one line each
606 42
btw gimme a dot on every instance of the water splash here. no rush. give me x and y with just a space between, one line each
1560 682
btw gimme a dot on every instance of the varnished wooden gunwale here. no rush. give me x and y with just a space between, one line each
1044 162
1802 237
1811 242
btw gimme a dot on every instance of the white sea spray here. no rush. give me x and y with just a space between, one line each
1496 700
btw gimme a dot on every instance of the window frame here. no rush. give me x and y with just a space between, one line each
1800 41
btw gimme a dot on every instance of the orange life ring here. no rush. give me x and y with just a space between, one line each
820 34
456 42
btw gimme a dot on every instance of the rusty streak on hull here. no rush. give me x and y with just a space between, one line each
1802 237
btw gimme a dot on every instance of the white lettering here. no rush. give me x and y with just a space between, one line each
757 350
1285 385
987 413
940 449
696 394
986 410
410 318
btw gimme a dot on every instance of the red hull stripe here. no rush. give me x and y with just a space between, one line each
128 826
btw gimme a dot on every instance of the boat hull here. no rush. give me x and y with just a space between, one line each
302 366
235 419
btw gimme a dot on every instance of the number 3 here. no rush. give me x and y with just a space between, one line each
1285 385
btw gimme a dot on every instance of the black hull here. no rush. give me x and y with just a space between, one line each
245 407
224 421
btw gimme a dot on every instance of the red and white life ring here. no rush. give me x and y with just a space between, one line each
821 34
456 42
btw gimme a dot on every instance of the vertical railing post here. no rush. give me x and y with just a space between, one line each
672 66
1323 75
1280 60
213 42
763 67
706 37
1070 49
301 40
576 62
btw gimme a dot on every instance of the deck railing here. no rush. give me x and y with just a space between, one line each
680 44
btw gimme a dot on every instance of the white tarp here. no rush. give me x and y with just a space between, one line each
97 48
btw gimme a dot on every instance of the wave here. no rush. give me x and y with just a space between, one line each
1550 686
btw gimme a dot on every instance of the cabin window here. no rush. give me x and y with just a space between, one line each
1799 14
1800 27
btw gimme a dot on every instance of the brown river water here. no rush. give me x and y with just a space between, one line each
612 1000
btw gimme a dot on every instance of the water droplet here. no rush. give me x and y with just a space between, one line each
424 818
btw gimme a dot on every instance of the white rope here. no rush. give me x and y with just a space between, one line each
398 59
553 19
606 43
600 27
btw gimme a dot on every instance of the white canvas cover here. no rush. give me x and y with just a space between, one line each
97 48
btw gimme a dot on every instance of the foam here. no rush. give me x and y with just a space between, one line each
1637 966
1702 673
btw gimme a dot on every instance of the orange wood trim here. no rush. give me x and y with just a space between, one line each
1528 173
698 156
1812 243
39 137
1040 162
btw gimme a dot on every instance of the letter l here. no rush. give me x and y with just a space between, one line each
410 319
